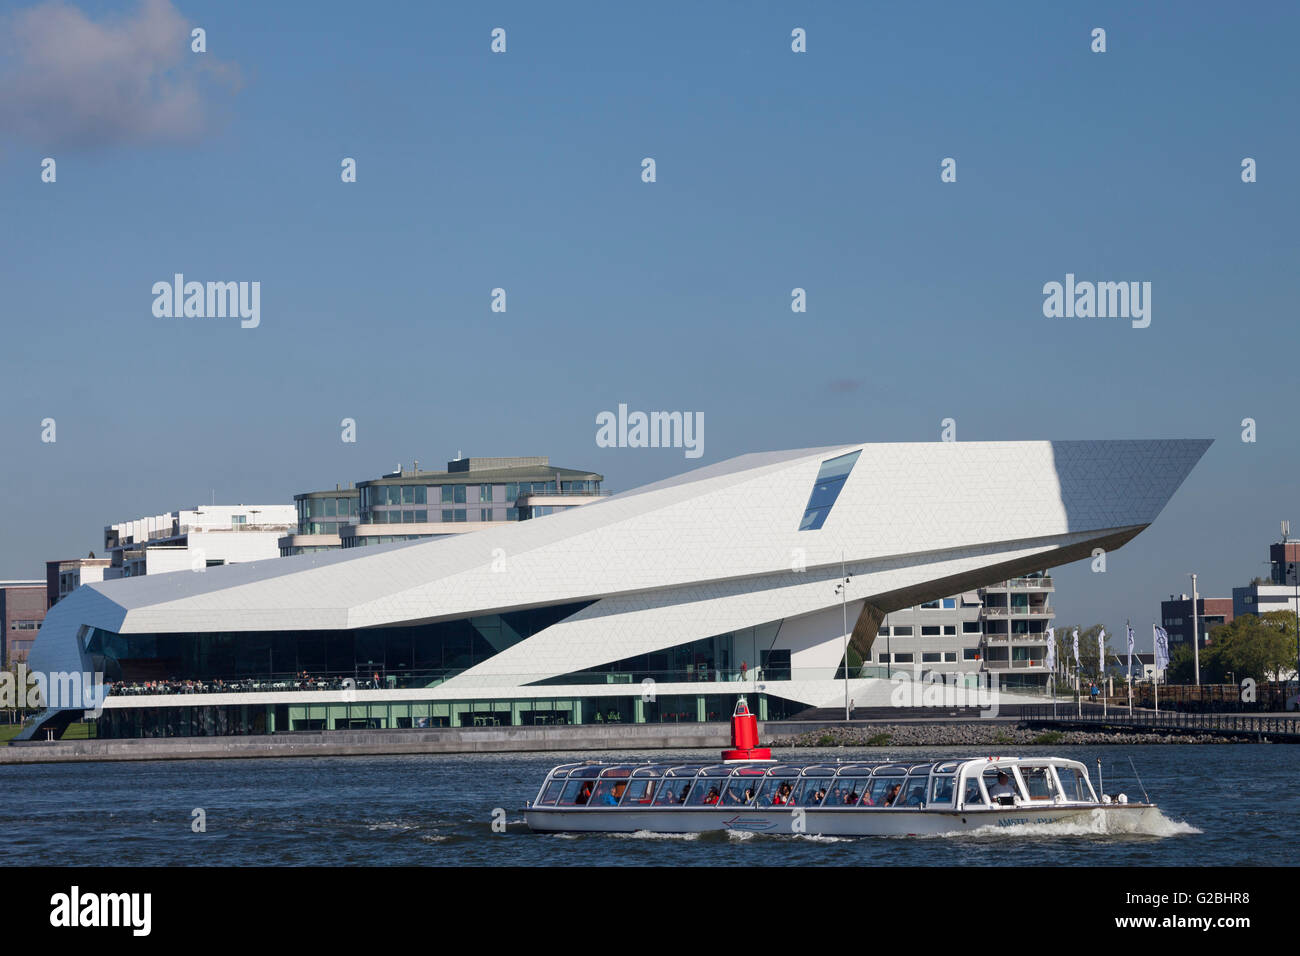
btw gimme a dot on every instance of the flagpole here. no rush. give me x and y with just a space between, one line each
1128 627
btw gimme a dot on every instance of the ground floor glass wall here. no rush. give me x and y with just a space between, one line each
248 719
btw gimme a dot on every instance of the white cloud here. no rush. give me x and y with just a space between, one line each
69 81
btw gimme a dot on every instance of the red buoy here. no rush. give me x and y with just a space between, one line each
744 736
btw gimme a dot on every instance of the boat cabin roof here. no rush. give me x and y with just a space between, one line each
593 770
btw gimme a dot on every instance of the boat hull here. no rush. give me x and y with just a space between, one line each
1109 818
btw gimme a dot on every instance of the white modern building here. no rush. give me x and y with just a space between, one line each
195 539
660 603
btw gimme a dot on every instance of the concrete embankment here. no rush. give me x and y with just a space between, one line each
336 743
975 733
576 739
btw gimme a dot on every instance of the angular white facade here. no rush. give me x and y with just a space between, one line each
713 551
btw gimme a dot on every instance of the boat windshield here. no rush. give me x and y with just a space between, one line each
1074 784
1038 782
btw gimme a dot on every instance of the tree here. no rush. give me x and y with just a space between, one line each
1260 647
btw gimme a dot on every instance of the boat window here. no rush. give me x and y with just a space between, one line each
552 793
587 772
941 790
844 792
1074 784
608 793
809 791
576 793
947 767
1038 782
775 793
706 793
879 792
999 792
672 792
974 796
639 793
740 791
913 794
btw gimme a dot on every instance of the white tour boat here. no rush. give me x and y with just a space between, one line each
750 791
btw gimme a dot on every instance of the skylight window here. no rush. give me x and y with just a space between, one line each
830 479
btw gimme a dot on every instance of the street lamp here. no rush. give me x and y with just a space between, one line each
842 589
1295 575
1196 650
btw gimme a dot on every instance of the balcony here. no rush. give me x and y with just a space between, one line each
1005 612
1023 584
1028 665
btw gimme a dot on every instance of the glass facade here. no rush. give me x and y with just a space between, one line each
323 514
416 656
248 719
717 658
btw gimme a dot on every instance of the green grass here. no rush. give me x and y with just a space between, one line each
878 740
1002 737
77 731
1049 737
825 740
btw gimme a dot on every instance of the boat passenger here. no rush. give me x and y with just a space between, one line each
712 796
612 798
584 794
893 794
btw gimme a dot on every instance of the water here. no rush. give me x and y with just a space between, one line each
1224 805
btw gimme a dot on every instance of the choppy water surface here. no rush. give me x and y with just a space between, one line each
1224 805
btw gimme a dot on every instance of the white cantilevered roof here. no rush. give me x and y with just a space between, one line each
728 521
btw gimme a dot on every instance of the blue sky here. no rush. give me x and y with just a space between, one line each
775 170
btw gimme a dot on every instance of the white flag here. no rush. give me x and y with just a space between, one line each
1129 628
1076 648
1050 662
1162 648
1101 652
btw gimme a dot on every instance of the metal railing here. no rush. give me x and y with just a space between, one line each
1018 611
1031 583
1171 720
